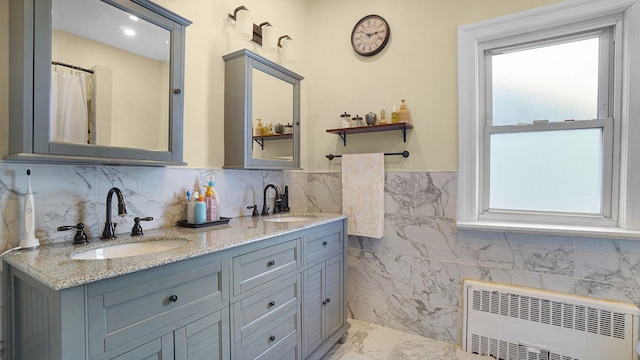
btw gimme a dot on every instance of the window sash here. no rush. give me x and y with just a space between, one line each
603 219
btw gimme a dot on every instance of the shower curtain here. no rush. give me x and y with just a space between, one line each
69 112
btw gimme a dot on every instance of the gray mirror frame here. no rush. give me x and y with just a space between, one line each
30 89
238 114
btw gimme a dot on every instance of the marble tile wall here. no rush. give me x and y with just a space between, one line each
67 194
411 279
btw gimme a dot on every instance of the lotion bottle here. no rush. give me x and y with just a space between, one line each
394 115
191 209
201 211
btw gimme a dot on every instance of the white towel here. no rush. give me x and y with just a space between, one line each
363 193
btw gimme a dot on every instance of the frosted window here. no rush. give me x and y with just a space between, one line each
547 171
555 83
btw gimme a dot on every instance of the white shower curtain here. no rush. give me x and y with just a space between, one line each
69 114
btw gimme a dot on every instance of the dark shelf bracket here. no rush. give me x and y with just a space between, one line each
260 142
405 154
404 133
343 136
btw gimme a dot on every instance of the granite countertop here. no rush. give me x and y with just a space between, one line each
52 264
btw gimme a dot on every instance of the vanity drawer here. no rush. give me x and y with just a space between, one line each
258 267
145 303
258 310
270 340
322 244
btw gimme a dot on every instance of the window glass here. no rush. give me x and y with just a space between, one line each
554 83
557 170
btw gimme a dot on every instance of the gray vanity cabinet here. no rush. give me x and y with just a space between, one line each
283 297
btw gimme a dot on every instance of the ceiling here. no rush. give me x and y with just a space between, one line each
101 22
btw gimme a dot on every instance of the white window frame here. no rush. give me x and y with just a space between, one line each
621 200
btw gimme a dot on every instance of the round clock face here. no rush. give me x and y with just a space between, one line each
370 35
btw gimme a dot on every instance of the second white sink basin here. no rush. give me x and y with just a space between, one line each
288 218
131 249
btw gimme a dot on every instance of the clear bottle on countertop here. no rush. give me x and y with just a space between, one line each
211 203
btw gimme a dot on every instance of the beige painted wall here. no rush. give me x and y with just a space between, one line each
419 64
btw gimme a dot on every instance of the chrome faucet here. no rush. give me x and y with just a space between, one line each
278 200
109 227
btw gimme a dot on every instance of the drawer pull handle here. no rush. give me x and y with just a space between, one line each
324 243
173 299
271 263
272 338
272 303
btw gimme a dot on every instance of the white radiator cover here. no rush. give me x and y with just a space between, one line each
511 322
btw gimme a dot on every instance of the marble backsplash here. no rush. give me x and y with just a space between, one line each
67 194
411 279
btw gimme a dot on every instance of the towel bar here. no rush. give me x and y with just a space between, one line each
404 154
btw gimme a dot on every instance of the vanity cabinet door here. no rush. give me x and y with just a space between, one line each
323 295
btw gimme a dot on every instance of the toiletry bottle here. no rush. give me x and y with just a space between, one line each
210 201
201 211
383 117
394 115
217 198
191 210
258 131
403 114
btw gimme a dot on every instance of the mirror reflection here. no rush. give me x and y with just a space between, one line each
110 77
272 111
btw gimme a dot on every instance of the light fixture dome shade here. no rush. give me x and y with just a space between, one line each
269 39
288 51
244 24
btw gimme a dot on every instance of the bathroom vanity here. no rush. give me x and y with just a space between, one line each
251 289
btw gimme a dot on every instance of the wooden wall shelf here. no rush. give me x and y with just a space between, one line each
342 132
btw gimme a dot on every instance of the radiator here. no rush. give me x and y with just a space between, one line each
509 322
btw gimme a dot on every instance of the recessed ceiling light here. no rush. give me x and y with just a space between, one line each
133 18
129 32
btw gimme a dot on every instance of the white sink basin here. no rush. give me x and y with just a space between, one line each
288 218
131 249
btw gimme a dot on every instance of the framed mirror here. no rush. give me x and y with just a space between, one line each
262 113
105 83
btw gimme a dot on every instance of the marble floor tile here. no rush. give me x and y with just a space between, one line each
367 341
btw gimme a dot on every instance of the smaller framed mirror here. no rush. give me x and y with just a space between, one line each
262 113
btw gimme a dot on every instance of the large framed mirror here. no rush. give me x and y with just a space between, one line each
105 85
262 113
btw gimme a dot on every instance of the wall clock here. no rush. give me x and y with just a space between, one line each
370 35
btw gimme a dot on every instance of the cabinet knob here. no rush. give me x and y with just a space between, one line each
173 299
324 243
272 303
271 263
272 338
328 300
177 91
324 302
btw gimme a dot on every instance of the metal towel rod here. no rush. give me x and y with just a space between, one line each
404 154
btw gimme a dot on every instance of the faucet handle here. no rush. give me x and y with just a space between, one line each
80 237
137 229
255 210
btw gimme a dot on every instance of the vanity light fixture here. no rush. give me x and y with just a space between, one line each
269 37
244 23
285 43
263 34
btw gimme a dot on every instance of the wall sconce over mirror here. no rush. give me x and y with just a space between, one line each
263 34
